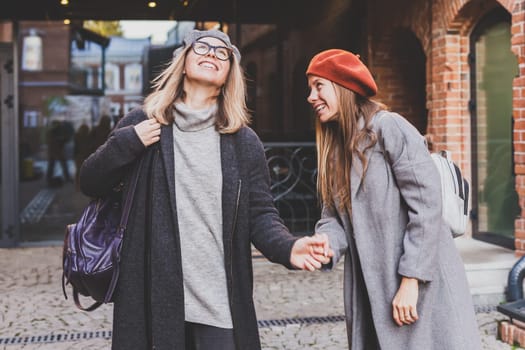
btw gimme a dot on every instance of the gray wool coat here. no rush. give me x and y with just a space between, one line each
249 216
396 230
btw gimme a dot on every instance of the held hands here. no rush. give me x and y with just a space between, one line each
405 302
309 253
148 131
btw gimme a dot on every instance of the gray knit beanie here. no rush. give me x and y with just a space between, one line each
195 35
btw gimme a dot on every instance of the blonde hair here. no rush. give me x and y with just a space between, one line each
168 87
339 141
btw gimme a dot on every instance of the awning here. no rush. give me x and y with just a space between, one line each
231 11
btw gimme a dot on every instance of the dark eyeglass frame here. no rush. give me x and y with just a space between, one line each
214 48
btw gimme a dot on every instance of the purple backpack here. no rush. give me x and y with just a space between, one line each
91 252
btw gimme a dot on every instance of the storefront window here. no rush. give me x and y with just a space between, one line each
32 56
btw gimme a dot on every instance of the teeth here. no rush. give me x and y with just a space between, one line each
208 65
320 108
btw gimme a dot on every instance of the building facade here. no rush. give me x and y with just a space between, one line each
453 68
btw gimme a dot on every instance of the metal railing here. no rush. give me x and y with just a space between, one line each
293 172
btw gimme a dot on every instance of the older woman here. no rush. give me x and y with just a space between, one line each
202 199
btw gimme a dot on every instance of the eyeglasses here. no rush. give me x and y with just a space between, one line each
221 52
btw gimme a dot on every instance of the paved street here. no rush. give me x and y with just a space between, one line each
297 310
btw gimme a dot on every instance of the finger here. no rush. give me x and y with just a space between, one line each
321 241
308 266
153 131
401 319
408 315
327 251
153 121
314 243
156 135
316 238
396 317
321 258
316 264
318 250
146 124
413 311
326 245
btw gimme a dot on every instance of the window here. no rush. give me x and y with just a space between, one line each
112 77
133 77
32 52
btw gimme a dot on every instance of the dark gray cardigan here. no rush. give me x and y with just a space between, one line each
249 216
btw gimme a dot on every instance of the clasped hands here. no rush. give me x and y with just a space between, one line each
311 252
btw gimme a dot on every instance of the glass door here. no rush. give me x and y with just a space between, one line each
494 66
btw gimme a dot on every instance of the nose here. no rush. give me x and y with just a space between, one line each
211 52
312 97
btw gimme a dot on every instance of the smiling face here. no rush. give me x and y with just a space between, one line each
207 69
323 98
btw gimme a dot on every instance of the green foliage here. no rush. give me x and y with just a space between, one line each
105 28
55 105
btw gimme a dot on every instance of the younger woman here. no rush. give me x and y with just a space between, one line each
405 287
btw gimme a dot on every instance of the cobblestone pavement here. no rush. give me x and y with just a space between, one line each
32 304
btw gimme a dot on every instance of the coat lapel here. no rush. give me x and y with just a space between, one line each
230 184
356 173
166 146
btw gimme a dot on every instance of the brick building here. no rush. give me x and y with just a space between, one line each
452 67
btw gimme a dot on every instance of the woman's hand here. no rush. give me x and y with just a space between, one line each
405 302
310 252
148 131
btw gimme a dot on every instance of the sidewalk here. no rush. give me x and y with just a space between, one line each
296 309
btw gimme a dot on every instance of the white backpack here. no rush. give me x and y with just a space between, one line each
454 193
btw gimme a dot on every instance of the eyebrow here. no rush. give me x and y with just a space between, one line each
315 80
205 42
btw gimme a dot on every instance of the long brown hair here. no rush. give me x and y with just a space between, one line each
168 87
339 141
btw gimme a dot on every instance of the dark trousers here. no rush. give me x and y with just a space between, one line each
51 168
204 337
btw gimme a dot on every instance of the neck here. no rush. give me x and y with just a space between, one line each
199 96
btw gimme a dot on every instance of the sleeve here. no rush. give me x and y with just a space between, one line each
330 224
419 184
268 232
107 166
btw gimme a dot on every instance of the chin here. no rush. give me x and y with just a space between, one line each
208 78
326 119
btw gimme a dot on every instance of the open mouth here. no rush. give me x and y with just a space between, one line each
320 108
208 65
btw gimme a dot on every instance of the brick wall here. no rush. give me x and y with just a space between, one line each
417 51
518 47
398 64
443 28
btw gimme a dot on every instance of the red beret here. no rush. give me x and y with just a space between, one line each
344 68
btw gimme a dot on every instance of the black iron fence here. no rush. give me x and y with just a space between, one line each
293 172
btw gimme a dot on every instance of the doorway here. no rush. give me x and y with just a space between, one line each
493 68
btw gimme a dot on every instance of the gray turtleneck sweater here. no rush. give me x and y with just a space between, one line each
198 186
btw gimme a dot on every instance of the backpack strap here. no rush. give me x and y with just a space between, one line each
126 209
92 307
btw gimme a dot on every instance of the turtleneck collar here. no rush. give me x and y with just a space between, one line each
187 119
